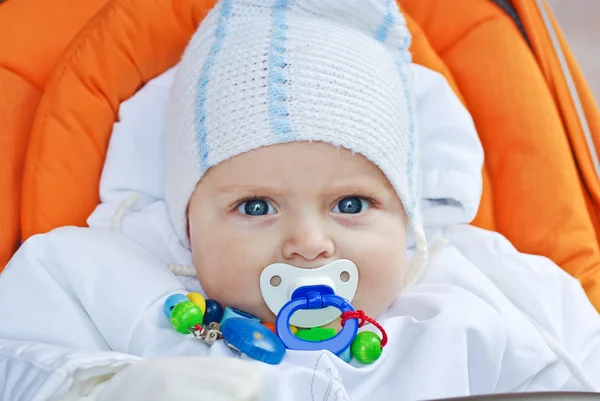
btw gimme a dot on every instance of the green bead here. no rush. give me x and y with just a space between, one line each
184 315
316 333
366 347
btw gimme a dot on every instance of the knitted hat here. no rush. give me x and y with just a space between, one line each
263 72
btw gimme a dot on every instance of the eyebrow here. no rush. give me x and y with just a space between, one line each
246 189
333 188
359 183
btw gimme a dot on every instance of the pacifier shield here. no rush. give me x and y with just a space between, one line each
279 281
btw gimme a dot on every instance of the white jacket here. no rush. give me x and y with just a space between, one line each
79 304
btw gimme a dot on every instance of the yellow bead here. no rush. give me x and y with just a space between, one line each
293 329
198 300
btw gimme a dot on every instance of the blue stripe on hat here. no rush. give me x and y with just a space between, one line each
402 60
384 28
220 34
277 75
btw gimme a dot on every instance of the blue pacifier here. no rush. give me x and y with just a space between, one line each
308 298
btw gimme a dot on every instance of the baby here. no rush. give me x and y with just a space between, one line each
292 144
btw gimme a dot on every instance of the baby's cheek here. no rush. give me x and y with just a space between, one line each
231 275
221 273
379 284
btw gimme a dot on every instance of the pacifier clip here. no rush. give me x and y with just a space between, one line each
208 321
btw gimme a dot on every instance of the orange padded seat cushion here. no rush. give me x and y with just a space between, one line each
35 33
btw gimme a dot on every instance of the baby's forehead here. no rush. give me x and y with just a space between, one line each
296 167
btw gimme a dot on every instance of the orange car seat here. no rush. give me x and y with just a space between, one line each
39 32
534 192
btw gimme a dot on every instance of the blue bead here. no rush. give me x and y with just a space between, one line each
232 312
253 339
172 301
346 355
214 312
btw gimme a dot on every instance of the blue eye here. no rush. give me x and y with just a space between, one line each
351 205
256 207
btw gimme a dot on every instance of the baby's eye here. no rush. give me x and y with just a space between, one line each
351 205
256 207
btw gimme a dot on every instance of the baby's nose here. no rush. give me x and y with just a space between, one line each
309 242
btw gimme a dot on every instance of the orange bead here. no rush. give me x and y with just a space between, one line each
271 326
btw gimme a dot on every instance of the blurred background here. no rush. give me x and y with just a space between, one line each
579 20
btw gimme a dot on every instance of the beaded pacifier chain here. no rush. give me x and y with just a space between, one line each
207 320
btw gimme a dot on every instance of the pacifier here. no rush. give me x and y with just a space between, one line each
279 282
305 298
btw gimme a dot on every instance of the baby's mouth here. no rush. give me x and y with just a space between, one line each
279 281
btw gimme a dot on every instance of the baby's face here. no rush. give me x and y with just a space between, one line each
304 204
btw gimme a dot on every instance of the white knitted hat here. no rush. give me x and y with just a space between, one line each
263 72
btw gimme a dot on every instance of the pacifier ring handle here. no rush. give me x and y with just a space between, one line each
315 300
